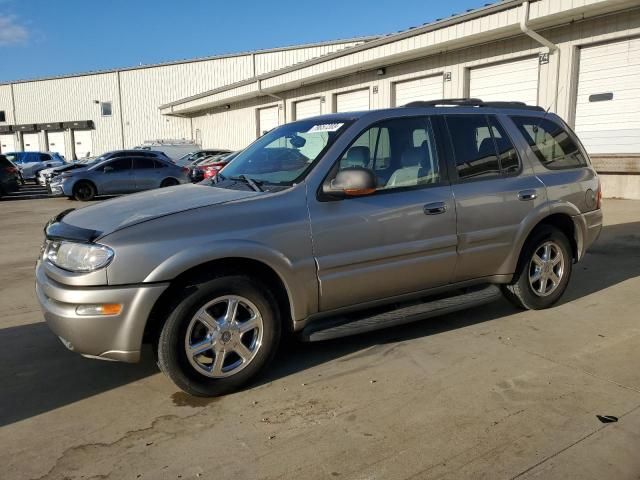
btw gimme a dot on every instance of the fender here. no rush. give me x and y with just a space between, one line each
299 277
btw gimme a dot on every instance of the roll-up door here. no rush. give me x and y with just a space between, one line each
31 142
308 108
267 119
421 89
355 101
7 143
509 81
608 102
83 144
56 143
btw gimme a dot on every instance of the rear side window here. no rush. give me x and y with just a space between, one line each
160 164
550 142
45 157
509 160
142 163
473 146
120 164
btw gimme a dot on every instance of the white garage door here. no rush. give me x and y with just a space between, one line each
308 108
429 88
608 103
56 142
7 143
31 142
353 101
267 119
511 81
83 144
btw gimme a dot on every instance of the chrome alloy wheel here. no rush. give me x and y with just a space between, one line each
546 269
224 336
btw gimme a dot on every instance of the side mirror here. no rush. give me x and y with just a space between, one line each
351 182
108 169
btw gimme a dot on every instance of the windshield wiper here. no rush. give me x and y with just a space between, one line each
252 183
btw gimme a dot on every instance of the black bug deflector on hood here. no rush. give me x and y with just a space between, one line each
56 229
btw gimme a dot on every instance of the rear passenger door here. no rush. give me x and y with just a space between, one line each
494 191
400 239
145 175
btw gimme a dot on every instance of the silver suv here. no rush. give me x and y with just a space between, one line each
325 227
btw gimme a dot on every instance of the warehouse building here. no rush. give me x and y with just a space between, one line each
579 58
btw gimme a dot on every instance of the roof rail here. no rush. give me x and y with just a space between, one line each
473 102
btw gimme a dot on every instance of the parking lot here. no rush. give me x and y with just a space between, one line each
487 393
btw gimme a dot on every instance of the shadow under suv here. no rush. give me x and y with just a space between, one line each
329 226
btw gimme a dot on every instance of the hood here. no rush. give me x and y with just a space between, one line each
111 215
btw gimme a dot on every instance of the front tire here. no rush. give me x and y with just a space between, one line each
220 334
169 182
543 272
84 191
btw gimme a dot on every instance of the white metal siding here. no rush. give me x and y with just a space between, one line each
83 143
7 143
31 142
353 101
429 88
267 119
611 126
56 143
510 81
308 108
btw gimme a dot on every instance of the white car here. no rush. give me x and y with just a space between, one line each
44 176
31 163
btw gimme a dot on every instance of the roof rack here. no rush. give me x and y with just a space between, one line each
473 102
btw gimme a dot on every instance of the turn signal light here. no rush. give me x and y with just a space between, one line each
100 309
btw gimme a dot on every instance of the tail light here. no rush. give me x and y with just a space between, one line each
599 194
185 170
11 169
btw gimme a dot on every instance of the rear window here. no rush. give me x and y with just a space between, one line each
4 161
550 142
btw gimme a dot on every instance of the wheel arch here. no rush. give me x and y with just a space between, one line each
210 269
81 181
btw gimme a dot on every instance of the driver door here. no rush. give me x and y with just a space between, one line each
117 177
400 239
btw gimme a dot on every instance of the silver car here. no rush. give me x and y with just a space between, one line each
330 226
118 175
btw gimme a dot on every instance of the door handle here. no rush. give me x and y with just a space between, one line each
435 208
526 195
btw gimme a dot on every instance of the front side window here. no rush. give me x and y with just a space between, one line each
119 165
401 152
285 155
45 157
550 142
473 147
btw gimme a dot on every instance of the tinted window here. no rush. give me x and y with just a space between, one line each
159 164
473 146
44 157
550 142
120 164
4 162
509 160
142 163
3 116
400 151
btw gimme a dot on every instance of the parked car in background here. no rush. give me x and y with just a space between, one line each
30 163
9 176
455 201
48 174
174 149
199 167
126 174
191 157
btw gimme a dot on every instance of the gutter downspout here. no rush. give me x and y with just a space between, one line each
262 92
552 47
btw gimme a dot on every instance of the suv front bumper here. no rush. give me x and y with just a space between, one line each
109 337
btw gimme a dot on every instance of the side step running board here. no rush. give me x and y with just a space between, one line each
342 326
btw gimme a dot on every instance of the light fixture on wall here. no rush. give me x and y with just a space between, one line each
381 71
227 107
97 102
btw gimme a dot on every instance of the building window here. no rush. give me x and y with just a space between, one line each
3 116
105 109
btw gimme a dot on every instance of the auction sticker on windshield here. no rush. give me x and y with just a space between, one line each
325 127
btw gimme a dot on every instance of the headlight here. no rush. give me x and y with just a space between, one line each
77 257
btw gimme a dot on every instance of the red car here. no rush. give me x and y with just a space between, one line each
210 168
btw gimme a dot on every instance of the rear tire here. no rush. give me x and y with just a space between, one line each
84 191
205 350
543 272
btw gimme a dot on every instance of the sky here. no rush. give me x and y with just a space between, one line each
41 38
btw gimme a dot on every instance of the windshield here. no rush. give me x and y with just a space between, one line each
285 155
